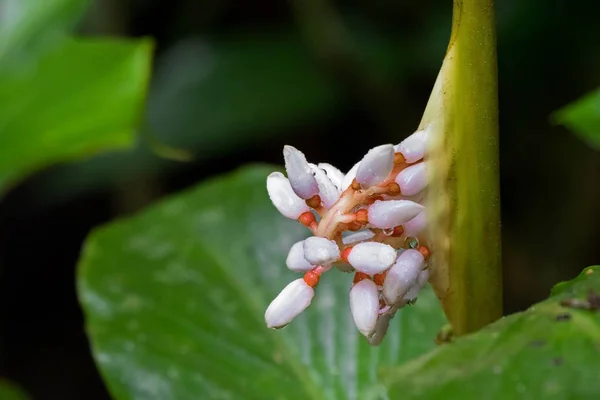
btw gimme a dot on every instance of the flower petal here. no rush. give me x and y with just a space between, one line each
336 176
327 190
383 322
320 251
295 259
283 197
416 225
412 180
350 176
364 305
413 293
402 276
413 147
375 166
290 302
359 236
371 257
391 213
423 277
299 173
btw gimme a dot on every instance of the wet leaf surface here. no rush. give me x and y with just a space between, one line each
175 297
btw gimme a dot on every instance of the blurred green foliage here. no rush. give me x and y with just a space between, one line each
31 27
550 351
218 90
63 98
583 118
9 391
206 98
175 296
213 95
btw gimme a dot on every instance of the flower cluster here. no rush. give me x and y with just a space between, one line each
367 221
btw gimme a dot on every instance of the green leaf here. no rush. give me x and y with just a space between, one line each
174 299
9 391
213 95
28 27
82 97
63 98
583 118
550 351
210 96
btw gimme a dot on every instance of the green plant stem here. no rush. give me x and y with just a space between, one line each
475 265
467 273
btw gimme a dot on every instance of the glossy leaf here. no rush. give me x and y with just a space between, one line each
82 97
550 351
9 391
63 98
174 299
583 118
213 95
210 96
28 27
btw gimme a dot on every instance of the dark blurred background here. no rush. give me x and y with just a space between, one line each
236 80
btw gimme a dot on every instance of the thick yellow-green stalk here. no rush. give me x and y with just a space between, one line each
464 194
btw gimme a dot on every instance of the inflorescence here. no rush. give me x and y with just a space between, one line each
367 221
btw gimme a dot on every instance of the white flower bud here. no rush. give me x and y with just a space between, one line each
423 278
336 176
350 176
327 190
359 236
375 166
289 303
383 323
364 306
320 251
391 213
402 276
299 173
413 293
371 257
412 180
295 259
283 197
416 225
413 147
